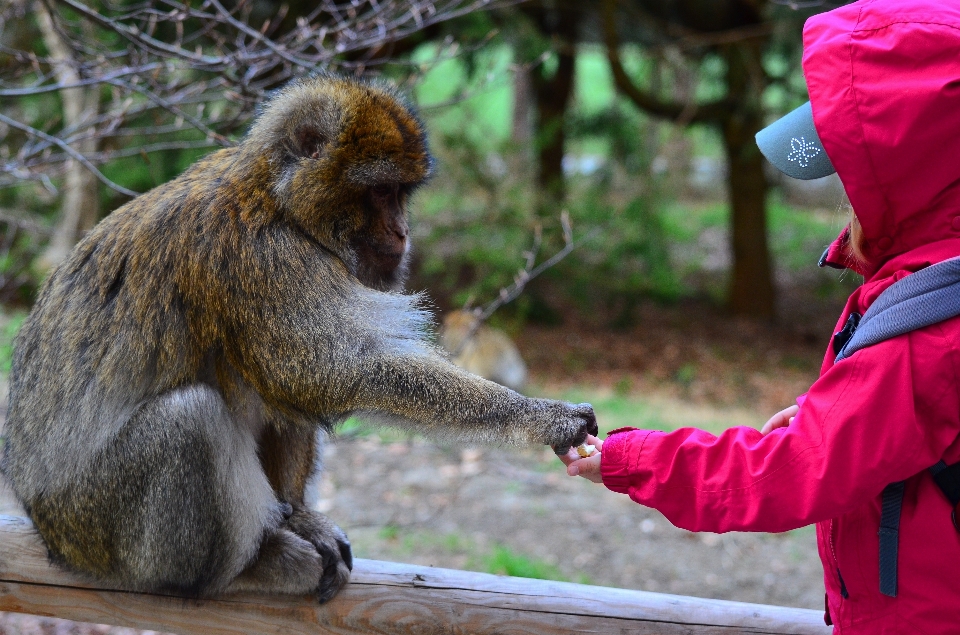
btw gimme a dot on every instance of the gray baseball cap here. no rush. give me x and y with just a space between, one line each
792 145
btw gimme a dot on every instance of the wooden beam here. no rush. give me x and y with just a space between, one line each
383 598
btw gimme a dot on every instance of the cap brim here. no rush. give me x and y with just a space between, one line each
792 145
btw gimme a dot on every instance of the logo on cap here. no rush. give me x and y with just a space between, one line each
802 151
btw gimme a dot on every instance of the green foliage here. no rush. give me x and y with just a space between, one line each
634 259
479 90
638 241
18 279
8 332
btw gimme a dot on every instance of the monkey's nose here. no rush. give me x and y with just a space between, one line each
401 230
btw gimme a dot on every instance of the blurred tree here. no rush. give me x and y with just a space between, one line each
552 86
80 208
737 32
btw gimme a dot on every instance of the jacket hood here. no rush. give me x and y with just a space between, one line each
884 84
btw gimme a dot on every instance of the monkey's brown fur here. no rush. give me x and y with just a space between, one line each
168 386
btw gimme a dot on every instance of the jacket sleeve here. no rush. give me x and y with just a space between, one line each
880 416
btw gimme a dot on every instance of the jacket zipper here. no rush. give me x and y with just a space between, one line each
836 563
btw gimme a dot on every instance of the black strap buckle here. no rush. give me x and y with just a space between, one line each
841 337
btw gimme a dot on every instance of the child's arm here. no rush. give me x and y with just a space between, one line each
876 418
589 468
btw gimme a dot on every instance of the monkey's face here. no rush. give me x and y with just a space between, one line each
382 243
347 155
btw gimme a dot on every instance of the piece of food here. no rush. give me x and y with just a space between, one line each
585 450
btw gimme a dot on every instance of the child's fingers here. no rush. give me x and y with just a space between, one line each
595 442
769 427
569 457
780 420
588 468
572 455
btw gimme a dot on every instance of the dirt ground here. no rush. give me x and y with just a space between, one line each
515 511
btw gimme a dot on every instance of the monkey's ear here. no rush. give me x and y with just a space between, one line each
310 142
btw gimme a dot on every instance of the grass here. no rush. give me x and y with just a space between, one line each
498 558
504 561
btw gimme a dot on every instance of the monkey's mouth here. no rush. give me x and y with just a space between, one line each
384 257
390 259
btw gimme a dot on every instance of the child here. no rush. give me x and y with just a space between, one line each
884 84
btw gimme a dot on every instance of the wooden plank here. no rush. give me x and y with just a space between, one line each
384 598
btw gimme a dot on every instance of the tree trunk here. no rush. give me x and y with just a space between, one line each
751 285
521 122
80 205
553 97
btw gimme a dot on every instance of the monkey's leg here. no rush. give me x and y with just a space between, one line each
186 505
288 454
177 500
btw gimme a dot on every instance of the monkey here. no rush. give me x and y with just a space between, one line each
169 384
489 352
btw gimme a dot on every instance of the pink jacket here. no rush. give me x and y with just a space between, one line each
884 81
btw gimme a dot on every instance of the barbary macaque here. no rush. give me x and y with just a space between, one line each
168 387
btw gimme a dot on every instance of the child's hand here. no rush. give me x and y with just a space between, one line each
780 420
588 468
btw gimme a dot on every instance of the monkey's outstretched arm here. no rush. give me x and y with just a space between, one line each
432 395
310 339
416 389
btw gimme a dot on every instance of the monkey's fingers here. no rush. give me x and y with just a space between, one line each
336 570
332 545
586 411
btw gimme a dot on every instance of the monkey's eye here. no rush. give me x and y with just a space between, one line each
383 191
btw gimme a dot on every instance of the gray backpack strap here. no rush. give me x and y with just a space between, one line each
923 298
926 297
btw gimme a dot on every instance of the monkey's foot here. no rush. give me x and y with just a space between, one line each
285 563
332 545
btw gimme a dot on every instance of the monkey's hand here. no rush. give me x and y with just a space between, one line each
572 425
332 545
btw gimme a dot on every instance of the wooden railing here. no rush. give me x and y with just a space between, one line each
384 598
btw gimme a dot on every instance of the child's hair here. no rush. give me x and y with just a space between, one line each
855 242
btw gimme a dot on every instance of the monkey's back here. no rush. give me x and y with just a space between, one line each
112 326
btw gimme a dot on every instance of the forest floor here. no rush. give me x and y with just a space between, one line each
514 511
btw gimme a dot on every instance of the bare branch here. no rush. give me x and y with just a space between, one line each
524 276
51 88
66 148
178 66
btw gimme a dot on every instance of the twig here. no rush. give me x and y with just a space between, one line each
66 148
15 220
524 276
